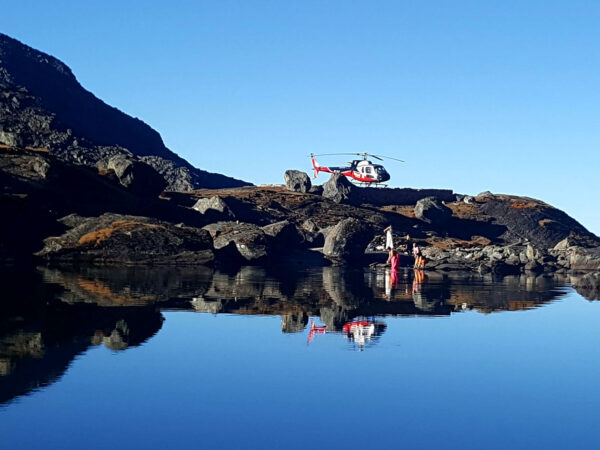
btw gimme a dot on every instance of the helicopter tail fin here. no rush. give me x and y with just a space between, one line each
315 165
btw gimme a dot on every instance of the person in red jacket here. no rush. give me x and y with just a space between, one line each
393 260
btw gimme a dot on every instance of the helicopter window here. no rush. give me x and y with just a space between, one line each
368 169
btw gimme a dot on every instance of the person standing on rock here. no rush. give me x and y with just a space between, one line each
418 257
389 242
393 260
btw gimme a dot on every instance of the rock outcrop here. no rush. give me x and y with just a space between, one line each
119 239
283 237
135 175
347 241
588 285
338 189
432 211
297 181
529 219
234 242
214 208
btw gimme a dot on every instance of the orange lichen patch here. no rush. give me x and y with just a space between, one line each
107 296
450 243
405 210
96 237
523 205
544 222
38 149
31 149
464 210
520 305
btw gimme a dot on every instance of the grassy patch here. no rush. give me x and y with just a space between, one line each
523 205
95 238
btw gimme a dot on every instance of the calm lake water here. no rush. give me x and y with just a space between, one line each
306 358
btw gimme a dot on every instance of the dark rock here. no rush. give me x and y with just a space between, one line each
136 176
43 105
41 167
583 259
311 234
432 211
588 286
121 239
338 188
316 190
310 226
533 266
297 181
347 241
313 240
282 236
501 268
482 196
531 220
214 208
236 242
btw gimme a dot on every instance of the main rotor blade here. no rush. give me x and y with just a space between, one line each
332 154
388 157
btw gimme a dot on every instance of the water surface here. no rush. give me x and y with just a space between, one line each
267 358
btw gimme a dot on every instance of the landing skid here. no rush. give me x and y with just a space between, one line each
363 184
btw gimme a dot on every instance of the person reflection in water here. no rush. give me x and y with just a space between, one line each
391 276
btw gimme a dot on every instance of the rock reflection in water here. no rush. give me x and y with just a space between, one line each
51 315
40 334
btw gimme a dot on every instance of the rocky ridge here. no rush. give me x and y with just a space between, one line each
42 105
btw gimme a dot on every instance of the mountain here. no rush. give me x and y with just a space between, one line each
42 105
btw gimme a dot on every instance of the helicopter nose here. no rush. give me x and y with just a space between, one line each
385 176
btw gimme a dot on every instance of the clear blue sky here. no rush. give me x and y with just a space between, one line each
474 95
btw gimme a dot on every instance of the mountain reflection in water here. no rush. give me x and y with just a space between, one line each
51 315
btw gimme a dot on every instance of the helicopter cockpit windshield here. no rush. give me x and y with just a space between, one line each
382 174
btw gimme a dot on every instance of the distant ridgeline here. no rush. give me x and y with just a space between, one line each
42 105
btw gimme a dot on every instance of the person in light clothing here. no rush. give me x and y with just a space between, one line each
389 242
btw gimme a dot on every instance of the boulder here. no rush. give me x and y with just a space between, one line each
297 181
123 239
316 190
243 242
214 208
347 241
137 176
310 226
588 286
432 211
338 188
40 167
282 236
584 259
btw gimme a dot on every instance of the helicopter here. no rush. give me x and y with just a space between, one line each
361 170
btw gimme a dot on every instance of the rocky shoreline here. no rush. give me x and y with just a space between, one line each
85 183
70 213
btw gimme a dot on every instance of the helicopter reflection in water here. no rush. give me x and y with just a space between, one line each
361 331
